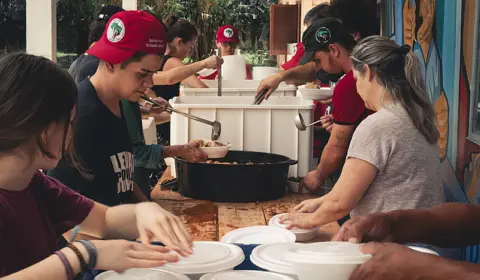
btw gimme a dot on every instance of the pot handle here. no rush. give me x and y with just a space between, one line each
292 162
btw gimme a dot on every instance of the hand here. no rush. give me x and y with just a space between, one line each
308 206
299 220
326 101
119 255
192 153
213 62
375 227
327 122
311 182
270 84
154 221
397 262
159 109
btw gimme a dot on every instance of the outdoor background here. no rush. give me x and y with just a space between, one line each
251 17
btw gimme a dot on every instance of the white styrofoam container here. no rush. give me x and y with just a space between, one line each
149 131
236 88
268 127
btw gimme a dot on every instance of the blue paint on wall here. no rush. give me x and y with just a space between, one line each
399 21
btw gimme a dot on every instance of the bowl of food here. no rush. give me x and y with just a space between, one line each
214 149
316 93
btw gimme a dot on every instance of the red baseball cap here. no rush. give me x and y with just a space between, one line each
129 32
227 33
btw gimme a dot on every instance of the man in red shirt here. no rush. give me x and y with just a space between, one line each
227 43
328 44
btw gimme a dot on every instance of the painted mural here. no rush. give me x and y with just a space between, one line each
442 35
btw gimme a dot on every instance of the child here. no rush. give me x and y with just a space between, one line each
37 110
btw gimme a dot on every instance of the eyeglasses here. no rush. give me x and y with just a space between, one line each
229 44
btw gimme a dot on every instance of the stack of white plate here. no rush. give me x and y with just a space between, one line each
244 274
259 235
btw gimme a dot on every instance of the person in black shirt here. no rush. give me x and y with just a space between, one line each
130 51
86 65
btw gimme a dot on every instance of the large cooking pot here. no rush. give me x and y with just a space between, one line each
255 177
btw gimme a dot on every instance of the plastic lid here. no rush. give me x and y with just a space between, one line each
272 257
141 273
259 235
244 275
209 257
328 253
275 222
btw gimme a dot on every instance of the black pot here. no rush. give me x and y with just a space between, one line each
256 177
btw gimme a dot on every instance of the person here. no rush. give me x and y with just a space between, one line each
392 162
130 53
86 65
38 112
181 39
328 45
448 225
227 42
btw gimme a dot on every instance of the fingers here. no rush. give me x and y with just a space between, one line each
144 236
164 237
299 206
147 254
372 248
167 226
183 235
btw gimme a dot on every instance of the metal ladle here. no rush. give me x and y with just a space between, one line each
300 123
216 126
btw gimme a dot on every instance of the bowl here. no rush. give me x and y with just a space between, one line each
216 152
316 93
301 235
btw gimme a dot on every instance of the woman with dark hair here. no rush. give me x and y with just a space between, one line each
38 109
392 162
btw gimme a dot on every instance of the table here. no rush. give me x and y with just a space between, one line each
208 221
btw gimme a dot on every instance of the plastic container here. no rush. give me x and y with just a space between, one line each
141 273
149 131
236 88
301 235
255 177
271 257
216 152
316 93
234 67
268 127
260 73
331 260
208 257
259 235
244 274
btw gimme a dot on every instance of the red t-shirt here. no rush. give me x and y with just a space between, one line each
293 62
214 75
32 220
348 108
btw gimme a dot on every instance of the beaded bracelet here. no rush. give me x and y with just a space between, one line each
83 264
66 264
92 253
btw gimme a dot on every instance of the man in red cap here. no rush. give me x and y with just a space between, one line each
130 52
227 43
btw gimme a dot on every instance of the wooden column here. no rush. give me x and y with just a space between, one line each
42 28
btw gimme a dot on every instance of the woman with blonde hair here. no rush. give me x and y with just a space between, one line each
392 162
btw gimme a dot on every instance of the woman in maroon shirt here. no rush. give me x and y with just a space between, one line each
37 110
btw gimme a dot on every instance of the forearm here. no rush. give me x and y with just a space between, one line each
178 74
121 222
331 160
173 151
303 74
447 225
445 269
51 267
331 210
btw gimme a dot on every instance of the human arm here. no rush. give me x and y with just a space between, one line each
300 74
179 74
332 158
356 177
191 81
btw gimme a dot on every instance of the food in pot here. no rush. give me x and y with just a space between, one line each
231 163
209 144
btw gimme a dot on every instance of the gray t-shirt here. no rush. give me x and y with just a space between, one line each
408 166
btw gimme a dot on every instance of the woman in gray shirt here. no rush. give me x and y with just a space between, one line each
392 162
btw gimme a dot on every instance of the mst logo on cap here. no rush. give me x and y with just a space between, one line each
228 32
323 35
116 30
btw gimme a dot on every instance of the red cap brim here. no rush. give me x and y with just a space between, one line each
108 53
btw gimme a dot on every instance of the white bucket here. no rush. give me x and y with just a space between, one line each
234 67
260 73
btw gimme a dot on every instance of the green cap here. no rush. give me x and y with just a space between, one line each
321 34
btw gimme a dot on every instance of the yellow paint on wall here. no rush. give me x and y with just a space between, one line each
468 35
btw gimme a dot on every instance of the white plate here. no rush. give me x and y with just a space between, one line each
316 93
259 235
208 257
244 275
141 273
272 257
301 234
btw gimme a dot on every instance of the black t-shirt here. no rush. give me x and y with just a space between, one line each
103 146
84 66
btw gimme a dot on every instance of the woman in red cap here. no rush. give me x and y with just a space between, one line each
227 43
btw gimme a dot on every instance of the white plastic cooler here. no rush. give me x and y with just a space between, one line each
268 127
236 88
